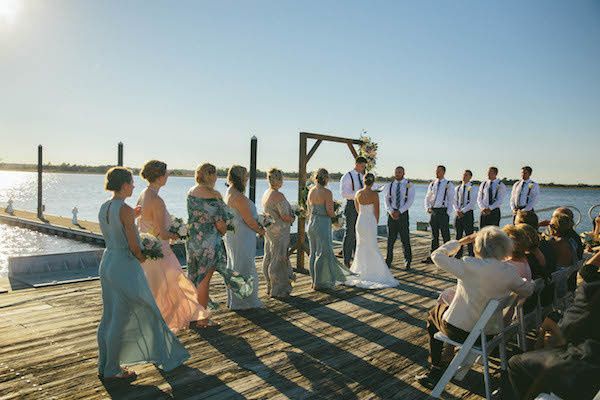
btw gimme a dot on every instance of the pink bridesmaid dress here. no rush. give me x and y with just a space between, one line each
174 293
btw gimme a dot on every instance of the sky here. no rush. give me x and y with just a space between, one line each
466 84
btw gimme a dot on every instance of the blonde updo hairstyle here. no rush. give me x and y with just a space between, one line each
236 177
275 177
321 176
203 171
153 170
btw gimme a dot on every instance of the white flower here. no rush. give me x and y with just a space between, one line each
531 186
469 188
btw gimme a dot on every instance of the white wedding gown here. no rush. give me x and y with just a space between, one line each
371 270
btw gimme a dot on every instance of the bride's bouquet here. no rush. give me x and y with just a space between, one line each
265 220
178 227
338 220
151 246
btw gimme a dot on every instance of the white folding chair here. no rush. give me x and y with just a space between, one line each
469 351
535 316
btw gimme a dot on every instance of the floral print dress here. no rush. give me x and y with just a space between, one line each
204 246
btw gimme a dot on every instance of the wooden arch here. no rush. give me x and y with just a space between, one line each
304 157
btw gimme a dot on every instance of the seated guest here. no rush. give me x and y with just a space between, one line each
571 369
531 219
570 234
521 244
479 279
560 227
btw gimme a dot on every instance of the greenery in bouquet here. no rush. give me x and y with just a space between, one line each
151 246
179 227
338 220
265 220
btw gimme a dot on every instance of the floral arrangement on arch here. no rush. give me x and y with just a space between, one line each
368 150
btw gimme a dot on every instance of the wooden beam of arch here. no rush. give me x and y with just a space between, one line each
304 157
313 150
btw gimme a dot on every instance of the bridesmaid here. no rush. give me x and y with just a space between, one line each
131 329
204 247
325 269
277 268
241 242
175 295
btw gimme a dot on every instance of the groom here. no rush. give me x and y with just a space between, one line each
351 182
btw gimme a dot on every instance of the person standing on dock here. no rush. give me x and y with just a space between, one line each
351 182
131 329
490 197
525 192
464 203
399 196
174 293
438 202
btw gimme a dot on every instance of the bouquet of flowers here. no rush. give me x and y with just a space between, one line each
590 240
368 150
228 218
298 211
178 227
338 221
151 246
265 220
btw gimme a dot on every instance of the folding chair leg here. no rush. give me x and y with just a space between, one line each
503 362
466 365
486 371
456 362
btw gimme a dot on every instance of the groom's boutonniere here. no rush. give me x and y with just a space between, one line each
531 186
469 188
409 185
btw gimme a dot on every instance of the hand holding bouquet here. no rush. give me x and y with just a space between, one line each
151 246
178 227
265 220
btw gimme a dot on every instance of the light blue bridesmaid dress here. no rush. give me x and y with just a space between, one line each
325 269
241 252
131 330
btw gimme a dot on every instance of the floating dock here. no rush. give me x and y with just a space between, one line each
347 343
84 231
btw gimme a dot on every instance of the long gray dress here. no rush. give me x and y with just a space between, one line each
325 269
276 262
131 329
241 252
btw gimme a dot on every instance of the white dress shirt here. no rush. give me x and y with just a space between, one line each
478 281
407 195
439 194
524 195
465 197
498 194
351 183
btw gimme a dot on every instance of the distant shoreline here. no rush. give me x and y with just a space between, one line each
222 172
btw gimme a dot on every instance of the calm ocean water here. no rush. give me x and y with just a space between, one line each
62 192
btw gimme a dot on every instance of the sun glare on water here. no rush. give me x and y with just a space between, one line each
9 10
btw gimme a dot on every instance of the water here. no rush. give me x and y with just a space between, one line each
62 192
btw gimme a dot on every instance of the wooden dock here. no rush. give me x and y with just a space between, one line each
85 231
347 343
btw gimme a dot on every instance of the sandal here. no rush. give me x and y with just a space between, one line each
206 323
125 374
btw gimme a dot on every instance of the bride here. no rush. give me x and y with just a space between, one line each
371 270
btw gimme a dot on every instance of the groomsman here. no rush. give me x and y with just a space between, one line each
464 203
490 197
525 192
399 196
351 182
438 202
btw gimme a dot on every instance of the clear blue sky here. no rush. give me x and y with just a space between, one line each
464 83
